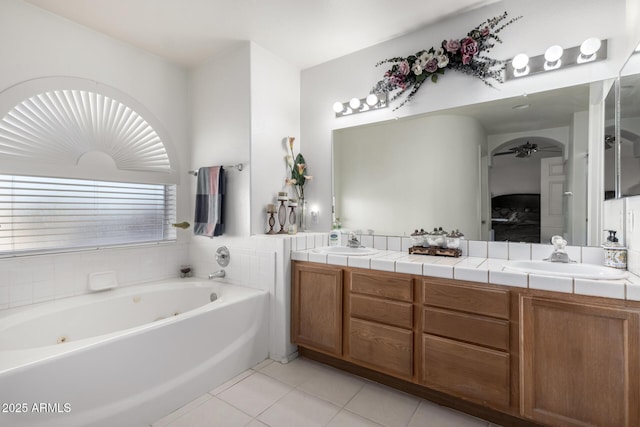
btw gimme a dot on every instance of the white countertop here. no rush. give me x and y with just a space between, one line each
476 269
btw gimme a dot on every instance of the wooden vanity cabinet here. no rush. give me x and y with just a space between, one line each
533 357
379 322
465 341
580 362
316 307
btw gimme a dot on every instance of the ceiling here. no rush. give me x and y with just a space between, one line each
302 32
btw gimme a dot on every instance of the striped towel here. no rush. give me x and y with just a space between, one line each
209 218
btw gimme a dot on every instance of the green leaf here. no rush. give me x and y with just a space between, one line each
434 78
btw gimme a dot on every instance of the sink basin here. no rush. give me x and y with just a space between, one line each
345 250
576 270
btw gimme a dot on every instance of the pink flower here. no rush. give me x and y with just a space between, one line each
484 32
404 68
431 66
452 46
468 49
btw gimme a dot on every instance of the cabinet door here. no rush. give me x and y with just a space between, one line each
316 308
580 364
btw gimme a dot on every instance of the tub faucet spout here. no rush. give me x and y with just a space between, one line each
217 274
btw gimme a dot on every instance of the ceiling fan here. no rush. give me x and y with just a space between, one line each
527 149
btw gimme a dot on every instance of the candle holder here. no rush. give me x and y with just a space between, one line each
282 211
293 224
271 210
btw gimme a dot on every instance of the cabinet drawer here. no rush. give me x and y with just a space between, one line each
466 370
387 348
472 299
394 313
383 285
466 327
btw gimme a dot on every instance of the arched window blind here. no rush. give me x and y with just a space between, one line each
47 204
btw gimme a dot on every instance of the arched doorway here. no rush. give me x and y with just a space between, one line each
526 183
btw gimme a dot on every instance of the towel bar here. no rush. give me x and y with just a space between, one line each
238 166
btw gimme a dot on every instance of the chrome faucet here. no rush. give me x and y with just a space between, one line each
353 241
559 254
217 274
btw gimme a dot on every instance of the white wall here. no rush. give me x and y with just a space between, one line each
220 105
275 115
544 23
36 44
395 176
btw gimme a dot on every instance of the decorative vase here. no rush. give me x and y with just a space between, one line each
302 211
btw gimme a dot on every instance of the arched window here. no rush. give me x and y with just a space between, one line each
81 169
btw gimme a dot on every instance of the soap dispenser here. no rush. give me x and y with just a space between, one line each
615 255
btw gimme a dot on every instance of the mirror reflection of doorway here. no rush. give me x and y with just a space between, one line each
527 185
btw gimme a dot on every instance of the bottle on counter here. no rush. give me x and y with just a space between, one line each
615 255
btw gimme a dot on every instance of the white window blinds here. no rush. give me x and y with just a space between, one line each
50 214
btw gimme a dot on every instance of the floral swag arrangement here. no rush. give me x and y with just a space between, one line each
467 55
297 168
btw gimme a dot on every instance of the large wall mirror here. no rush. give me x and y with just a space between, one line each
629 129
512 169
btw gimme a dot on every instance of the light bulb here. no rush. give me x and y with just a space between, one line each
354 103
520 61
590 46
338 107
372 99
553 53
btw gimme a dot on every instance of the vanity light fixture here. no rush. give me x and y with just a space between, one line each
589 50
520 64
552 57
360 105
555 57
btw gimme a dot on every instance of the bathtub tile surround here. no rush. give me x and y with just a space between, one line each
38 278
305 393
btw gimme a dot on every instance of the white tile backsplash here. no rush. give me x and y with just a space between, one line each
498 250
574 252
394 243
519 251
593 255
380 242
540 251
366 240
477 248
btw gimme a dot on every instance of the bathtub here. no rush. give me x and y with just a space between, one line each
128 356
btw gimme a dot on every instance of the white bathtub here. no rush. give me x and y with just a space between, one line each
129 356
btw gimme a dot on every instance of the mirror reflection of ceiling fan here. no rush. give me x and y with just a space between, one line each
608 141
527 149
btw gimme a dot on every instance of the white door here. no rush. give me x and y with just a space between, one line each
552 206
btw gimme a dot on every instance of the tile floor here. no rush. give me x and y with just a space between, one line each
304 393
